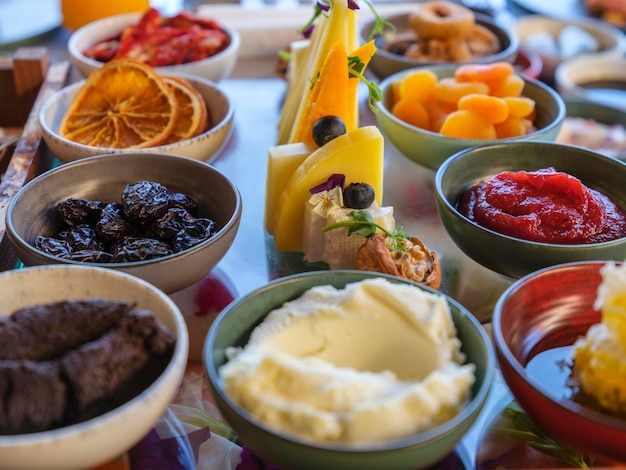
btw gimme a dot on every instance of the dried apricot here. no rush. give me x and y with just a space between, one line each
513 85
492 108
484 72
519 106
411 112
510 127
438 112
450 90
465 124
419 86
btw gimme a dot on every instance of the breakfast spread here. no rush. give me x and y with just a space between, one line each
159 40
149 222
127 104
545 206
68 361
339 365
600 356
443 31
481 101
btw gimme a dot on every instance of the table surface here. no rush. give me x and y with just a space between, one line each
252 260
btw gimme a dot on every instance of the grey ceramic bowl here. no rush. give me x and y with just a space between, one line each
232 328
385 63
103 178
205 146
431 149
105 437
511 256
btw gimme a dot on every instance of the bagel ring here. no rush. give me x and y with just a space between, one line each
441 19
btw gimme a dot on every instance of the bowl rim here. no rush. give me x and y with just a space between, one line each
126 19
451 208
173 368
232 222
502 347
481 18
386 86
74 89
471 408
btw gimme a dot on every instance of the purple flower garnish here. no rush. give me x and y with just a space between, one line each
352 5
323 5
335 180
306 32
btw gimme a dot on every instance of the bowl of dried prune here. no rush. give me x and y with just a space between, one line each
90 359
166 219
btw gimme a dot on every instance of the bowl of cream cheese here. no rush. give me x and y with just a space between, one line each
348 369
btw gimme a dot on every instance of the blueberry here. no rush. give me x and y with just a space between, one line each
358 196
327 128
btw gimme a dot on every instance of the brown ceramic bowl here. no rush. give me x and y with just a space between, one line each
535 323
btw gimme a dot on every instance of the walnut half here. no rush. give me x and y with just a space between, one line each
416 263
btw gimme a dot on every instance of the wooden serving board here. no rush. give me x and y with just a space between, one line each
27 79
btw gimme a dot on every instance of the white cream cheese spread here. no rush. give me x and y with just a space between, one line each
369 363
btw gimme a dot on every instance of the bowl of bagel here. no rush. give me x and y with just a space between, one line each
437 31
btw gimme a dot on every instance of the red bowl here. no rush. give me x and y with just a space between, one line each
529 64
535 322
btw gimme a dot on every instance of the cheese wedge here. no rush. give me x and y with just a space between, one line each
282 162
338 24
359 155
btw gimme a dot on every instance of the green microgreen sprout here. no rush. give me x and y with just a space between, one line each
362 223
380 23
525 430
355 69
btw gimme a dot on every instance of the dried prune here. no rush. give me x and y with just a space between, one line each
76 211
113 226
53 246
193 233
183 201
139 249
172 222
81 237
91 256
145 201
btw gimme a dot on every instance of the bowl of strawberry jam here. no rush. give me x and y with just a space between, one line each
519 207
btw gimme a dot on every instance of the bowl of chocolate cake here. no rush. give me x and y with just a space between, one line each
90 358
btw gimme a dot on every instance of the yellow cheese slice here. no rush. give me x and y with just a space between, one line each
282 162
359 155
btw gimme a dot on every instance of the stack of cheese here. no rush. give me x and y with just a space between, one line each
320 85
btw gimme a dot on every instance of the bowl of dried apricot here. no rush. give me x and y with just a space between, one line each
125 106
434 111
183 43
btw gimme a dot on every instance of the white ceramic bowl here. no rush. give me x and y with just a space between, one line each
205 146
214 68
103 178
98 440
609 39
572 74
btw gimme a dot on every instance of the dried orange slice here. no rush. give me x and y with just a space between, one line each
192 111
123 104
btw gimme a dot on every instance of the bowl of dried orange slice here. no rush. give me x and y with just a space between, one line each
125 106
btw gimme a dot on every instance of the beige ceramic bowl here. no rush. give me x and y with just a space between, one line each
205 146
533 30
215 68
608 74
103 178
103 438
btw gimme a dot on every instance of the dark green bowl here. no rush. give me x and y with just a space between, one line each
431 149
511 256
232 328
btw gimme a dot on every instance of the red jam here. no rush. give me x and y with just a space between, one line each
544 206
